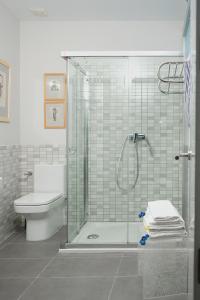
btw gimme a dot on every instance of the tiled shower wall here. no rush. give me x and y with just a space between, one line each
124 98
9 188
15 160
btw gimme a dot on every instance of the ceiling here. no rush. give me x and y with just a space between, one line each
86 10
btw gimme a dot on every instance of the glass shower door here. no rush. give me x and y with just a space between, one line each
77 152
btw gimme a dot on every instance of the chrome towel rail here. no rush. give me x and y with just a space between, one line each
171 77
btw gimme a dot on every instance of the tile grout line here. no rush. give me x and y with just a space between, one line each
80 276
160 297
89 276
115 277
3 245
25 258
31 242
32 282
6 241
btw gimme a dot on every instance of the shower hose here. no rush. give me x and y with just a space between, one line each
119 167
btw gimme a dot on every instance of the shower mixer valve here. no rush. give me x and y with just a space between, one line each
134 137
139 137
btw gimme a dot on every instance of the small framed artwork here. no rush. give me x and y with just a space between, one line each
4 91
54 114
54 86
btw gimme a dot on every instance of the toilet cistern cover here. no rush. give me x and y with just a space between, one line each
35 199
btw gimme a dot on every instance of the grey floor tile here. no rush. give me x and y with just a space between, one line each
129 265
29 250
164 284
160 262
21 268
60 236
172 297
69 289
11 289
83 266
20 237
91 255
127 288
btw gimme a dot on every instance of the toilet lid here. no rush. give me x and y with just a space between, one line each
35 199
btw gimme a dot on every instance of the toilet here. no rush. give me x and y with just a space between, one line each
44 208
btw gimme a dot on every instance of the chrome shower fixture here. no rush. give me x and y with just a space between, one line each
135 138
139 137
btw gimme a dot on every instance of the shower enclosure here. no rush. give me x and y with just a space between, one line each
130 140
113 99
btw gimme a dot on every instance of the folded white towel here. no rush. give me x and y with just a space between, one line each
149 222
163 220
163 211
152 225
167 234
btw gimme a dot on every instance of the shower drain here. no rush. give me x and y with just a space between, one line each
93 236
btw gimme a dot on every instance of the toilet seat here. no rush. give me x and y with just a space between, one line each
37 199
37 202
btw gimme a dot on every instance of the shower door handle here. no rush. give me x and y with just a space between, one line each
188 155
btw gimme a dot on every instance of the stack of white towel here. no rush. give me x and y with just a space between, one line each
163 220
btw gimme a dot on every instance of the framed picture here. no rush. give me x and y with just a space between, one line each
54 114
54 86
4 91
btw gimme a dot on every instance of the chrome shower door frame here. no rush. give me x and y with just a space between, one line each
85 160
69 56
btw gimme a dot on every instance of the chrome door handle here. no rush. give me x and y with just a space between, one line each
188 154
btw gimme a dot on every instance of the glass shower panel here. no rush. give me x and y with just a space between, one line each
189 139
81 153
108 128
71 141
160 118
76 213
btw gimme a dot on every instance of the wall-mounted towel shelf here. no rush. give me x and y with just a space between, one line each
171 78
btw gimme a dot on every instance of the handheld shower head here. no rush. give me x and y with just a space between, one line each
135 138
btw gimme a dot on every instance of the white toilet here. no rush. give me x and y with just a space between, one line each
44 209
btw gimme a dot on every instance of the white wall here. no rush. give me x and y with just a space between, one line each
9 51
42 42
